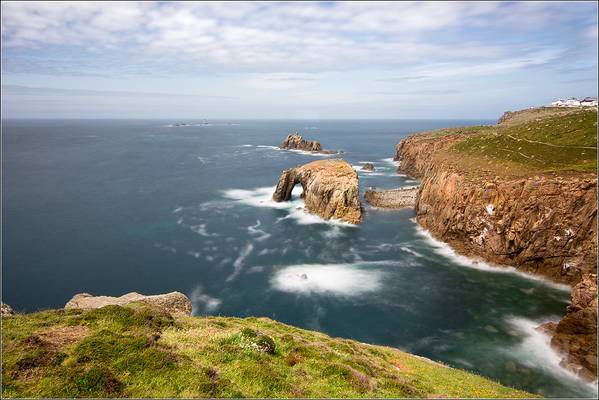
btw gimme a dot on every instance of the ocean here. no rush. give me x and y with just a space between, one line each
113 206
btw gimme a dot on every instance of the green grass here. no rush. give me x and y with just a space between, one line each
555 144
136 351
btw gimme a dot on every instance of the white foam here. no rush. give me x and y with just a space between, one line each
238 263
445 250
262 197
536 351
331 279
176 210
200 300
391 161
259 234
201 230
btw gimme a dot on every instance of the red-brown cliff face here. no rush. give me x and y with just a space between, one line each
540 221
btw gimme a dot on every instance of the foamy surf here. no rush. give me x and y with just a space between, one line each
329 279
262 197
536 351
445 250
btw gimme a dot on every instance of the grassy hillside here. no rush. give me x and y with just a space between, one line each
554 141
137 351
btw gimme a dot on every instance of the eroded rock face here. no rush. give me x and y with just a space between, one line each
297 142
544 225
576 334
330 189
394 198
173 302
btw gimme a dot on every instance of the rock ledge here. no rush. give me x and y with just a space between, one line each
173 302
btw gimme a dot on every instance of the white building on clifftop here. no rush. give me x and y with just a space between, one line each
574 102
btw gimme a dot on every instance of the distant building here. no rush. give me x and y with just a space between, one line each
588 102
574 102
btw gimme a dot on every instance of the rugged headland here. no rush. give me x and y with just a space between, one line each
330 189
150 346
295 141
521 193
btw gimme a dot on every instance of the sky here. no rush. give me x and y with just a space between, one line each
315 60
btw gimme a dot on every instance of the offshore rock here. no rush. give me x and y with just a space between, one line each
295 141
394 198
330 189
576 334
368 167
173 302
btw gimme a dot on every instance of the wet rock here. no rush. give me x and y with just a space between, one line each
394 198
368 167
173 302
330 189
576 334
295 141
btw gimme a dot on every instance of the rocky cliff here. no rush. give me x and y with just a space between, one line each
295 141
521 193
576 334
541 225
510 211
330 189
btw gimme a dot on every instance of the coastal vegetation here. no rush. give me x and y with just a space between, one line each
138 350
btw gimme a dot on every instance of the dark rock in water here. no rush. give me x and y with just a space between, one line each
330 189
576 334
304 276
368 167
295 141
7 310
394 198
173 302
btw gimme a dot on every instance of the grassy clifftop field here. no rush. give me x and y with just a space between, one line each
555 141
139 351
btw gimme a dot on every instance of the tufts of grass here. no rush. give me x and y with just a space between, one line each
137 351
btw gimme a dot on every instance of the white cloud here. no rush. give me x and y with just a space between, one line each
274 37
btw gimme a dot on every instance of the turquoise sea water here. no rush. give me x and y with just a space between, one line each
109 207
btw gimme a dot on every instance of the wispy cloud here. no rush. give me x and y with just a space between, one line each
294 58
17 90
283 37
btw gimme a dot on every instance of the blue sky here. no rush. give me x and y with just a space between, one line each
293 60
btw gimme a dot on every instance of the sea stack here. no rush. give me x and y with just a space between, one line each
330 189
295 141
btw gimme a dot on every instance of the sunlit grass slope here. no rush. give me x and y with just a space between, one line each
136 351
